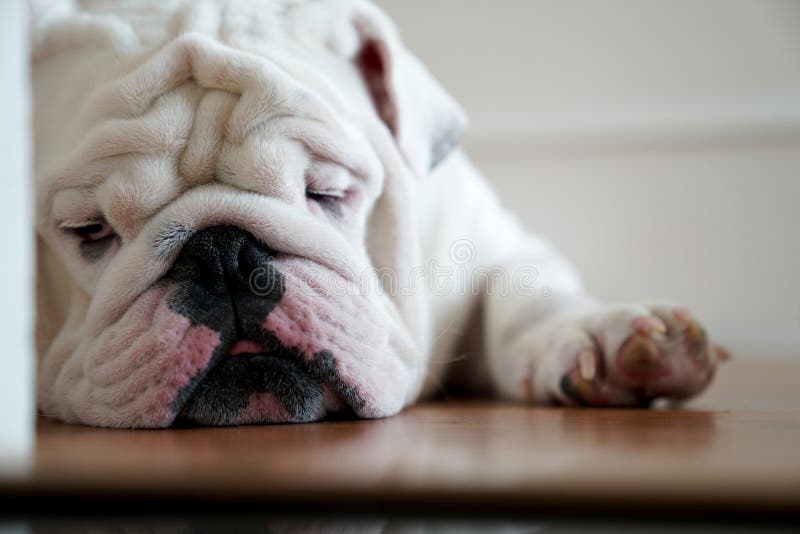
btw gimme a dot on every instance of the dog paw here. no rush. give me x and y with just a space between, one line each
629 356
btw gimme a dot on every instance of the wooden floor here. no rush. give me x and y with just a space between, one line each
735 449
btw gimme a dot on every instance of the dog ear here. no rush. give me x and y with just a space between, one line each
426 121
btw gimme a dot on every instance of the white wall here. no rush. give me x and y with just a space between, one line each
16 267
657 143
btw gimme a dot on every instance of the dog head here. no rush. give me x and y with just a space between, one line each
219 186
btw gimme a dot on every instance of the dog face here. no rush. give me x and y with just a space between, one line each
217 187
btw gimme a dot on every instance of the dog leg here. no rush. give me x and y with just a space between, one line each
546 340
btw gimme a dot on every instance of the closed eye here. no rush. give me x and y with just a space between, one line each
94 232
325 194
95 238
329 199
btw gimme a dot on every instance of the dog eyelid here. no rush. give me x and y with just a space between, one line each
330 200
322 176
94 237
94 231
330 193
90 226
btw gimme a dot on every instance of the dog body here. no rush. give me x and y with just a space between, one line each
256 212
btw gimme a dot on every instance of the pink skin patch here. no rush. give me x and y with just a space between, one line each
245 346
318 315
138 366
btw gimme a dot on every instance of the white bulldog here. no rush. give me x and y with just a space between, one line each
255 212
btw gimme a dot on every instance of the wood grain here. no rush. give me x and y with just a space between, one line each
735 448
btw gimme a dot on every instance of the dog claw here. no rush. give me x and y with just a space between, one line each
722 354
650 325
696 339
584 392
683 316
587 362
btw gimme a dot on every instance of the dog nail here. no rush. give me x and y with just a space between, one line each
722 354
683 316
588 365
650 325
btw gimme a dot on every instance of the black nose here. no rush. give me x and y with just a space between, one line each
224 260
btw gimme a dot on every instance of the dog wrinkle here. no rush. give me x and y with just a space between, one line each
137 370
